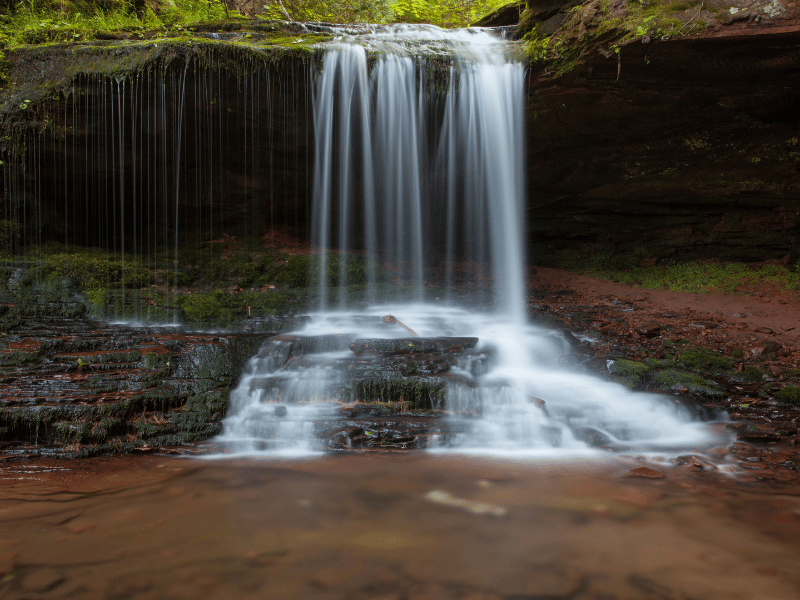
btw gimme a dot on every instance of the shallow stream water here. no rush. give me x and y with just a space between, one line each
389 526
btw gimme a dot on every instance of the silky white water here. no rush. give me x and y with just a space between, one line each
419 162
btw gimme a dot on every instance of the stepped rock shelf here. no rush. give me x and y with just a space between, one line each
403 160
78 388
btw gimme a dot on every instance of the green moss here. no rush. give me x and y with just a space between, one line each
679 276
704 360
153 360
210 405
789 395
629 373
676 380
751 373
663 375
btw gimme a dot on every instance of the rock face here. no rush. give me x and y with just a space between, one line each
676 149
214 137
75 388
681 149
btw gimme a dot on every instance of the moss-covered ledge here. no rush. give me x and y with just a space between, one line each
35 74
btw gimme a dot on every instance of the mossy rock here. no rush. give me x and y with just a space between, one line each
676 380
629 373
703 360
662 376
208 406
418 393
221 362
789 395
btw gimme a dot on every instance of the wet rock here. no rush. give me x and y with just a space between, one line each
617 9
412 345
766 348
696 462
650 587
592 436
650 329
758 432
645 472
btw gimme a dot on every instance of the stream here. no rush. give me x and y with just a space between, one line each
401 527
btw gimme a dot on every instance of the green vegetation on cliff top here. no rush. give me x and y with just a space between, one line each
605 26
45 21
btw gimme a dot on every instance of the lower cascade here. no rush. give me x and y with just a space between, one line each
418 164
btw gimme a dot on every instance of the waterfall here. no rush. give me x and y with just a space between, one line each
419 165
417 168
405 150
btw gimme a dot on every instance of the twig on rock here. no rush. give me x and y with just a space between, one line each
393 321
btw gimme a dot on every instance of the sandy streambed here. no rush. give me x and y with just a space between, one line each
390 526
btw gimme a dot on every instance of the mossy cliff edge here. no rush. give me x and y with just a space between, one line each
37 73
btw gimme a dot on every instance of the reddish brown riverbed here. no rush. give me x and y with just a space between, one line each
410 526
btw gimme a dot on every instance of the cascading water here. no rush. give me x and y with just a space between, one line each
419 165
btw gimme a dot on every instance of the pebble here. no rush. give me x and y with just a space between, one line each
79 526
645 472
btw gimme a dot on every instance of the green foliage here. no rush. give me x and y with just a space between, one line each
447 13
789 395
38 22
665 375
536 44
43 21
332 11
680 277
222 266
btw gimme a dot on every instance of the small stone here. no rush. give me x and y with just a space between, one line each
42 580
79 526
649 330
645 472
695 462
